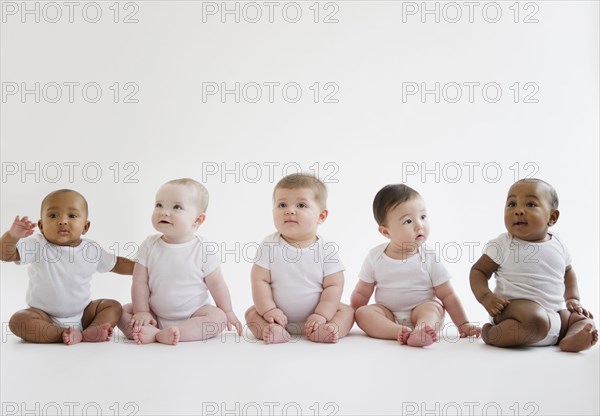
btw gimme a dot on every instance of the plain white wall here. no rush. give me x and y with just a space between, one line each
376 133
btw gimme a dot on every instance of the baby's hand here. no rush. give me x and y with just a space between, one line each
21 228
233 321
494 304
312 323
140 319
275 316
469 330
574 306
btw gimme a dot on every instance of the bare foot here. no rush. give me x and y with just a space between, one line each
404 334
72 336
97 333
580 341
169 336
145 334
422 337
275 334
485 329
325 333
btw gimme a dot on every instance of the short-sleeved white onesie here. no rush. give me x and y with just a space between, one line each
297 273
533 271
60 276
176 275
401 285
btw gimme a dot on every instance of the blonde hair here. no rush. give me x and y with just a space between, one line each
201 191
303 180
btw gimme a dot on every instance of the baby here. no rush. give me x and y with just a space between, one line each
61 265
175 272
412 287
536 300
297 279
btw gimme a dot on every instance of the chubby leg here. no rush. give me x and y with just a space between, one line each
261 329
338 327
522 322
207 322
427 318
378 322
99 319
34 325
577 333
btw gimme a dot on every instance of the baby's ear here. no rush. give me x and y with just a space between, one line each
200 219
86 227
384 231
553 217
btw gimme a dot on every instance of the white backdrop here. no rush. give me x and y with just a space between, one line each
456 99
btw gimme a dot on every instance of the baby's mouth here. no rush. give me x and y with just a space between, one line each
520 223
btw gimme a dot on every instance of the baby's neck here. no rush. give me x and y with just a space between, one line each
400 252
302 243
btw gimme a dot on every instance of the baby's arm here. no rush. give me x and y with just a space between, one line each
445 292
262 295
140 297
220 293
481 272
329 302
123 266
20 228
572 294
361 294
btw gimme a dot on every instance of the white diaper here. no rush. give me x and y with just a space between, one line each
403 318
553 332
73 321
166 323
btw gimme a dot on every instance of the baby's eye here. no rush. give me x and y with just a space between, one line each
302 205
281 205
158 205
409 221
531 204
72 216
53 216
423 216
177 206
511 204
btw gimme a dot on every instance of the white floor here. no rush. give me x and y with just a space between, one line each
359 375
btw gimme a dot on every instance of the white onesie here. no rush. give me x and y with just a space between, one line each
401 285
176 276
297 273
60 276
533 271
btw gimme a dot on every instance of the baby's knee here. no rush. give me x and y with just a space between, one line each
360 313
538 324
250 311
111 304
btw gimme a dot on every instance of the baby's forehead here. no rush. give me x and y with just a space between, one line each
65 200
304 192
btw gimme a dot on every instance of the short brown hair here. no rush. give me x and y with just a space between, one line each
201 191
303 180
389 197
